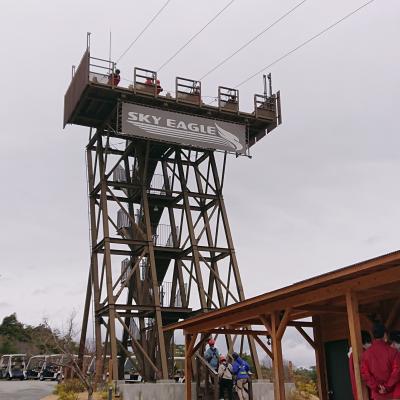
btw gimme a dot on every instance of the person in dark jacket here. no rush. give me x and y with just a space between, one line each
380 366
366 342
241 371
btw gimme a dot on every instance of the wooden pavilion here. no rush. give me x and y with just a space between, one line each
336 306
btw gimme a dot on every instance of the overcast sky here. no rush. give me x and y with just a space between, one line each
320 192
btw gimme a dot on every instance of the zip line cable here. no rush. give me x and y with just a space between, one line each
195 35
305 43
144 29
282 17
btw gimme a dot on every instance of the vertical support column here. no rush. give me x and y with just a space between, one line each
279 385
320 359
234 262
107 258
153 270
193 241
356 343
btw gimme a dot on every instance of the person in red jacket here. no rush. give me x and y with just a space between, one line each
366 342
380 366
114 78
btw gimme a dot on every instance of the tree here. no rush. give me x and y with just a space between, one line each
63 341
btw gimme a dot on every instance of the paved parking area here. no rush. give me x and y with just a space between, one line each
25 390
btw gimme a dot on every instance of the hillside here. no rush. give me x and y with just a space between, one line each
15 337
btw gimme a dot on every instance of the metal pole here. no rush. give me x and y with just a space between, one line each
270 83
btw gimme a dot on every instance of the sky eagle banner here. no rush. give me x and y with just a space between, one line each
185 129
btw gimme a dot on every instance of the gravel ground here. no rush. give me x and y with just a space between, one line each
25 390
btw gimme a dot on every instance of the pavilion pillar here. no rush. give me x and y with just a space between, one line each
190 349
320 359
355 340
188 368
277 330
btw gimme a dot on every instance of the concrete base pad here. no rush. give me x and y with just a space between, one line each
262 390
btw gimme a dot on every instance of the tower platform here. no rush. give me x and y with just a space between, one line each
92 99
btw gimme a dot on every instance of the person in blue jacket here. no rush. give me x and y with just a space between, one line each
212 354
241 371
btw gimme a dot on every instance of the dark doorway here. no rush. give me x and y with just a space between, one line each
337 366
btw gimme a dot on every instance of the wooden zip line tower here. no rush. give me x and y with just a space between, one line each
161 244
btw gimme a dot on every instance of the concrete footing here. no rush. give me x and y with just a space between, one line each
262 390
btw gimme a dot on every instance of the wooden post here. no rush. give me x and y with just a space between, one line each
356 344
279 385
320 359
188 368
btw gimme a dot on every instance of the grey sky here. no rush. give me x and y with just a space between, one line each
321 191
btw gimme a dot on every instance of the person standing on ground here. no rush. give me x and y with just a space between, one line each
225 373
212 354
366 343
380 366
241 371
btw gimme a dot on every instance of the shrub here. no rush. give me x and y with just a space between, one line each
69 389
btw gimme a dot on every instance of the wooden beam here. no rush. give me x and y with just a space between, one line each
238 332
393 315
265 322
279 386
305 336
188 368
320 360
264 347
283 323
322 309
301 324
259 306
356 344
191 345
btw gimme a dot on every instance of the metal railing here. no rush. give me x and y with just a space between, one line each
163 236
126 268
119 174
166 293
188 91
157 184
228 99
134 329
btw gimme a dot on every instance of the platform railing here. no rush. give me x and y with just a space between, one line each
228 99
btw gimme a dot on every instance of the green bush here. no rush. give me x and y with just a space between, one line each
69 389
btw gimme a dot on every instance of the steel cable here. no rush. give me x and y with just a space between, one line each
144 29
195 35
282 17
305 43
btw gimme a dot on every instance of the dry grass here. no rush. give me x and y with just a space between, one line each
82 396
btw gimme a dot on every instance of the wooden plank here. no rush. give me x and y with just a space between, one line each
356 344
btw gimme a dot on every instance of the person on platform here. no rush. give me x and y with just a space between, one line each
380 366
225 373
114 78
366 343
212 354
150 81
241 371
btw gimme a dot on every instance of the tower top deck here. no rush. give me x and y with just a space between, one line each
94 98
